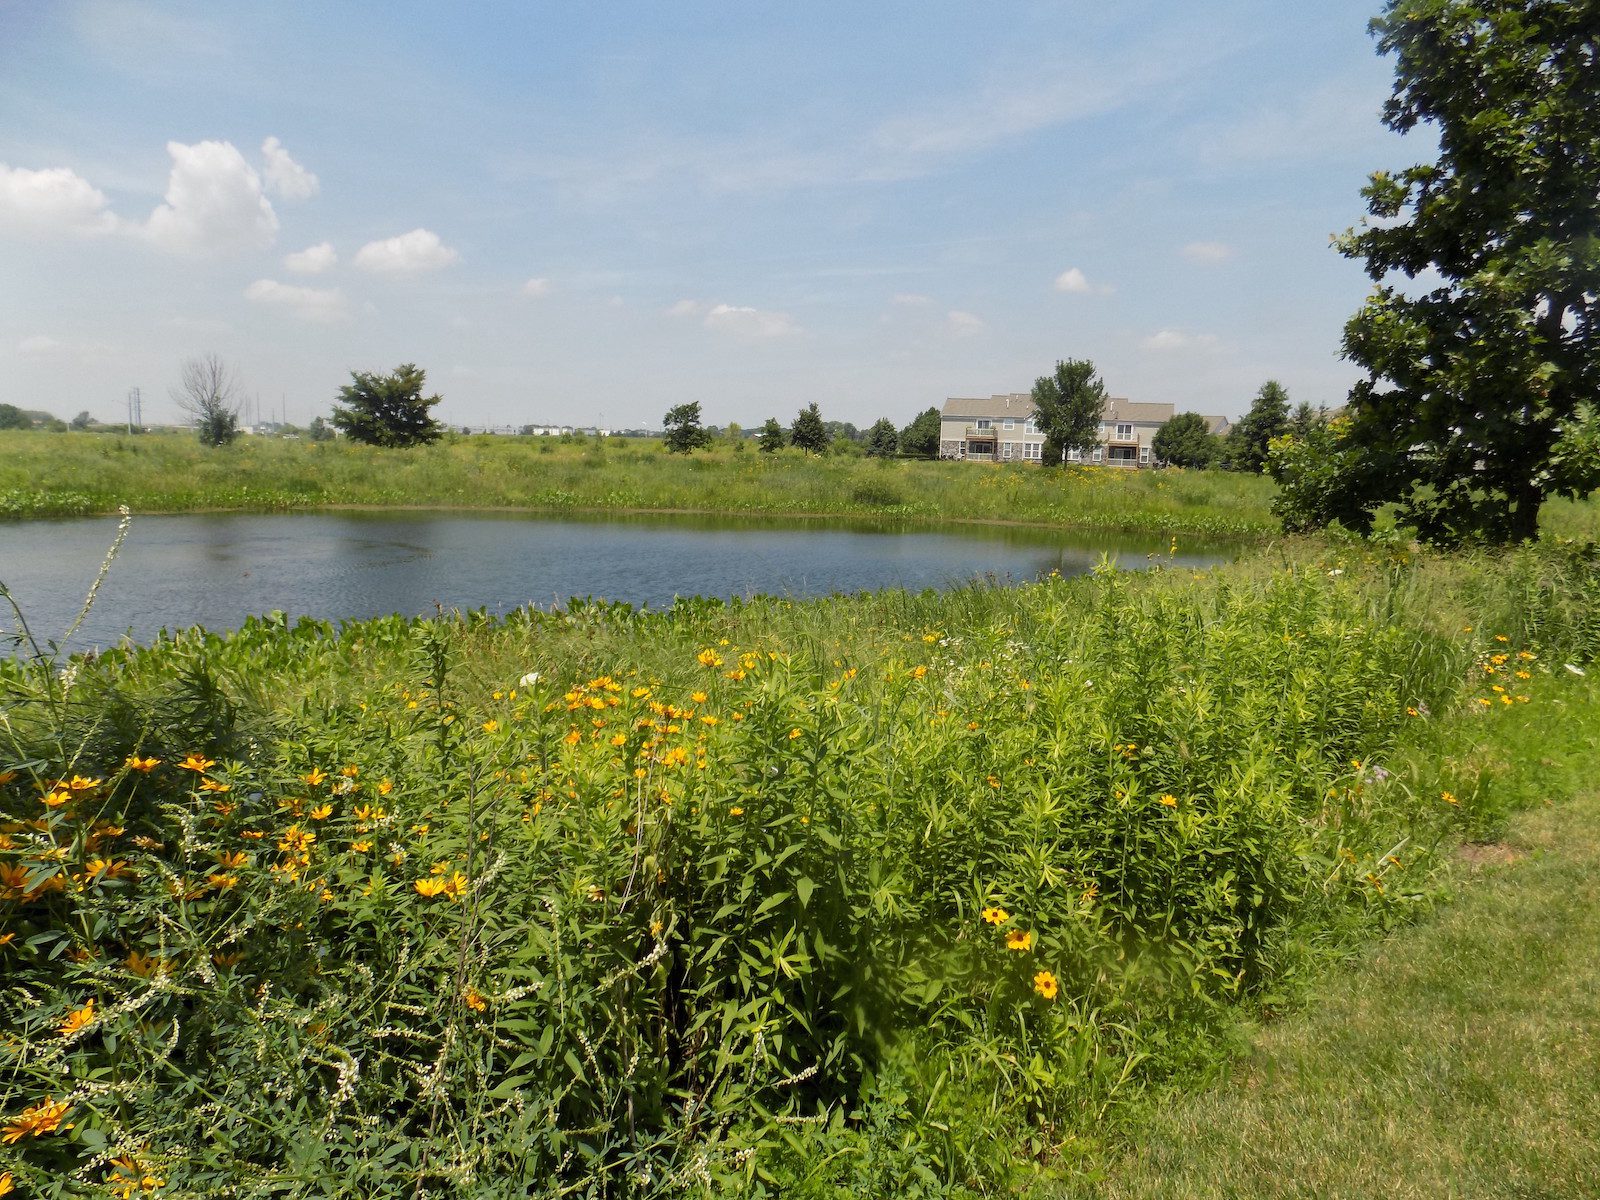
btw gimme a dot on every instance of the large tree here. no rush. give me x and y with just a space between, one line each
882 439
1068 406
208 393
771 436
1473 383
1185 441
388 410
920 439
1268 418
683 429
12 417
808 431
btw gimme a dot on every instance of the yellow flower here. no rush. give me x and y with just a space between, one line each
35 1121
196 762
491 726
793 733
430 887
996 916
361 847
134 763
1019 940
7 1186
698 697
710 658
222 882
456 886
143 965
316 776
1169 800
473 1000
211 785
385 786
81 784
322 812
1448 798
919 672
55 799
736 811
350 771
78 1019
1046 984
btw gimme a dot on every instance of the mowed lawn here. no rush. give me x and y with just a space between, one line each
1460 1059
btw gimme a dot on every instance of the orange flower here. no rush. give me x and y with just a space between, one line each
211 785
134 763
473 1000
55 799
79 784
78 1019
196 762
35 1121
1019 940
316 776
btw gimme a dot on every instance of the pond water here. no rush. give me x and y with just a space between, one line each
216 569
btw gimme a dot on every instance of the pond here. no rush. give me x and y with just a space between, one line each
215 569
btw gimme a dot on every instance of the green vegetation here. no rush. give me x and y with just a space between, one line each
208 392
1475 383
1460 1058
387 410
808 432
683 429
1068 405
75 474
1186 440
885 895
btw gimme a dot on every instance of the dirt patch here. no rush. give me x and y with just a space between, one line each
1478 855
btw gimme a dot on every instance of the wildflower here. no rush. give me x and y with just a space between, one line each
222 882
1168 799
473 999
992 781
321 812
1448 798
350 770
919 672
491 726
385 786
528 680
134 763
7 776
1500 637
229 960
456 886
78 1019
361 847
196 762
211 785
793 733
7 1186
1019 940
55 799
79 783
430 887
372 812
698 697
35 1121
1046 984
316 776
710 658
143 965
736 811
996 916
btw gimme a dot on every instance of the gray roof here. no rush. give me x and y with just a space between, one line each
1216 425
1019 405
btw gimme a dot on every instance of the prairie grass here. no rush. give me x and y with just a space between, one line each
880 895
1457 1059
76 474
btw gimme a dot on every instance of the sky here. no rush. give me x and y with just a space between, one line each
588 213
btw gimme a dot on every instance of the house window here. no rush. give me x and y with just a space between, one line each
1098 454
1124 433
1030 426
1032 450
1144 454
1010 424
1008 445
1074 455
984 423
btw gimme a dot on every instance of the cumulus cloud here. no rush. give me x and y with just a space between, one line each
1073 280
285 177
749 322
536 287
686 308
54 200
964 324
322 305
313 260
214 203
1173 339
1207 253
408 254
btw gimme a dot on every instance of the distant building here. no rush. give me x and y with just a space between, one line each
1003 429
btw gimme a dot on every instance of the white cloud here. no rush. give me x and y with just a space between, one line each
39 345
1073 280
1173 339
1207 253
686 308
964 324
408 254
285 177
536 287
750 322
911 300
313 260
53 200
322 305
214 202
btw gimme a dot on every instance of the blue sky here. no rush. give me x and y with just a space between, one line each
581 212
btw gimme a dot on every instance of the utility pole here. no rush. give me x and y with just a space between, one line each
135 411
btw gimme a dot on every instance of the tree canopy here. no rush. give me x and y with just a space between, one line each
1268 418
920 438
1474 384
1185 441
12 417
387 410
1068 405
683 429
771 436
882 439
208 392
808 432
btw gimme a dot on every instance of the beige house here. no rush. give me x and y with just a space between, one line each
1003 429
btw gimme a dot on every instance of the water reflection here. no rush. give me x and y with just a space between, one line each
215 569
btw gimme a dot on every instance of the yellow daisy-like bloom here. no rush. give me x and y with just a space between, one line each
211 785
491 726
55 799
321 812
474 1000
196 762
79 783
1448 798
698 697
430 887
78 1019
996 915
316 776
1046 984
736 811
456 886
1019 940
793 733
361 847
1169 800
710 658
385 786
35 1121
7 1183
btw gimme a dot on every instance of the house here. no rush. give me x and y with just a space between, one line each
1003 429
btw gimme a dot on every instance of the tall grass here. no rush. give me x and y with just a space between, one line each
75 474
894 894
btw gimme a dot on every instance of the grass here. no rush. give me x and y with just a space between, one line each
1459 1058
76 474
888 894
